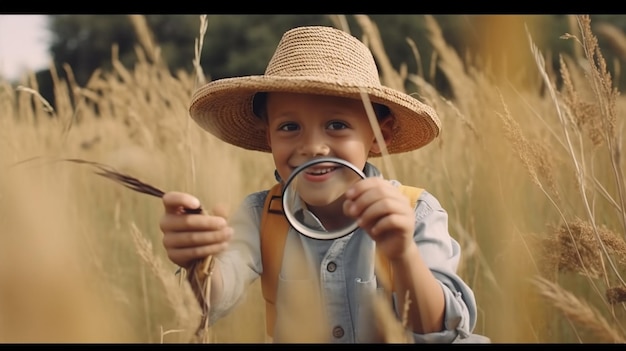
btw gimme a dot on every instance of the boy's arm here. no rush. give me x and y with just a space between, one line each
240 264
422 254
440 300
426 304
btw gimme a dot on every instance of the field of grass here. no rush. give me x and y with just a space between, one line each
531 174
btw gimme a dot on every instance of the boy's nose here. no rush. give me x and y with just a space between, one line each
312 145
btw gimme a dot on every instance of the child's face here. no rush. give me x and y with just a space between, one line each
305 126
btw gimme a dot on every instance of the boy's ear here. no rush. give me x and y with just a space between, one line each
386 128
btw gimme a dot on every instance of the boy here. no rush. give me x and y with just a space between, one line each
308 104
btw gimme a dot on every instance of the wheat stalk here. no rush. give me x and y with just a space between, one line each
579 169
179 302
198 44
144 35
578 311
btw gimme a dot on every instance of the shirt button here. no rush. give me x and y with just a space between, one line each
331 267
338 332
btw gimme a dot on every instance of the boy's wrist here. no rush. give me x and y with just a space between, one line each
406 256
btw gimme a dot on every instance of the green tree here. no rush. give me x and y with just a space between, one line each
243 44
85 42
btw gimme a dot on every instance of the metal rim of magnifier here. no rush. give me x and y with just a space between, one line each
312 233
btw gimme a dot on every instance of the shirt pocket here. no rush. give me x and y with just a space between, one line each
367 295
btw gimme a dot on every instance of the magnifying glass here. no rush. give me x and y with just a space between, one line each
315 189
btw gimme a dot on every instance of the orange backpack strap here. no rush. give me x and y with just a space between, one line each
274 228
413 193
273 231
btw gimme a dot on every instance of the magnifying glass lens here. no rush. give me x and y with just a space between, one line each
315 190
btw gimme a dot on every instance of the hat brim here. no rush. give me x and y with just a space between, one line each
224 108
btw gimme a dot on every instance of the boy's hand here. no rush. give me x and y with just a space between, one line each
187 237
384 212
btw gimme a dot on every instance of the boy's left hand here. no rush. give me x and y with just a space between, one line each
384 212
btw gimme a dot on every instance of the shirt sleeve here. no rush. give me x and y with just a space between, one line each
240 264
442 254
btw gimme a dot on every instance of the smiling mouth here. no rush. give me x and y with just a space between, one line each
320 170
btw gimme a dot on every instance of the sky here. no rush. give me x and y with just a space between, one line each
23 44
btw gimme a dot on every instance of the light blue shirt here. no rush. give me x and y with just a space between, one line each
343 271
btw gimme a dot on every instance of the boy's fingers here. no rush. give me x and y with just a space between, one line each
192 240
191 223
358 188
174 201
188 254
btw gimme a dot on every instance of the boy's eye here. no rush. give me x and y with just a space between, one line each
335 125
289 127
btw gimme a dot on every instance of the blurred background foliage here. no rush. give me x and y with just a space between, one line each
237 45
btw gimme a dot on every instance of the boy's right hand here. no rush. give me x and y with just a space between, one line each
188 237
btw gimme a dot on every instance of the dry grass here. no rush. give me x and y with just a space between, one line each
530 173
579 312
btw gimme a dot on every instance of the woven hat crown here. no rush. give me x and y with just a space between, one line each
325 53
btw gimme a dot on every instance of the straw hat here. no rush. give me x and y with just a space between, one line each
317 60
